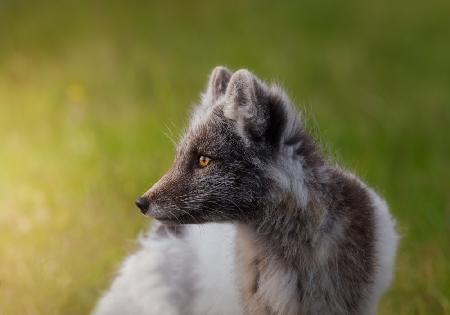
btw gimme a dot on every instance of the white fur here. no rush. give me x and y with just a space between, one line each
150 281
386 247
190 275
216 283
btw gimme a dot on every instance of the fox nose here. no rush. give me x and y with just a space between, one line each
142 203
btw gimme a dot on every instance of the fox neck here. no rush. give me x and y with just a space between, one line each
292 223
275 250
289 231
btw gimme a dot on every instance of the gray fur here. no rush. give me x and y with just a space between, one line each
309 238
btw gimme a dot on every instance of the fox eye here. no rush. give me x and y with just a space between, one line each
203 161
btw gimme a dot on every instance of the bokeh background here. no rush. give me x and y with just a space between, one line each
91 92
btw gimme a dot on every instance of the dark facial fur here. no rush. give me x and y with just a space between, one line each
233 186
224 190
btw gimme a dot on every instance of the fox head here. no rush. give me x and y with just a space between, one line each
245 150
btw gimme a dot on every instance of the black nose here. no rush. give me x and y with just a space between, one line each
142 203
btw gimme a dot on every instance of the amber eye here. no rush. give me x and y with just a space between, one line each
203 161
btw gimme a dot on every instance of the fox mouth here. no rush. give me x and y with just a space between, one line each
163 218
159 215
166 216
170 219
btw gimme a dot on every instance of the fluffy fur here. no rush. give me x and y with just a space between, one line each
298 235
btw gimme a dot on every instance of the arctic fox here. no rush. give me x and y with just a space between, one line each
252 219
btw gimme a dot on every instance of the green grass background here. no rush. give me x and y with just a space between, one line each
88 89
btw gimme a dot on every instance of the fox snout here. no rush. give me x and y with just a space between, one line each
150 202
147 203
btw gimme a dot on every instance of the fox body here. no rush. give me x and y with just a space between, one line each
254 220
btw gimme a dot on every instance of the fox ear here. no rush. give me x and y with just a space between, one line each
218 82
262 113
240 95
246 103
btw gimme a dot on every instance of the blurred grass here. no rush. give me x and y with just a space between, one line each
87 91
